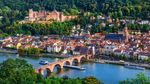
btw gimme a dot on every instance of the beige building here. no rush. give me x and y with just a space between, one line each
47 16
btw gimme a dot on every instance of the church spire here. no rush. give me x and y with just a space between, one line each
126 33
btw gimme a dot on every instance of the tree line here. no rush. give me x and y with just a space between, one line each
60 28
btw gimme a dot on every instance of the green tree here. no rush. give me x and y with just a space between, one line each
120 13
140 79
33 51
90 80
16 72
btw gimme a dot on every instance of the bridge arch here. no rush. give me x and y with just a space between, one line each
82 59
47 71
57 66
68 62
43 70
76 61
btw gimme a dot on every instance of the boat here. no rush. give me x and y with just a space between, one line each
43 62
121 61
134 67
74 67
101 62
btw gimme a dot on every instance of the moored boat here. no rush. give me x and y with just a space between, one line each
134 67
43 62
74 67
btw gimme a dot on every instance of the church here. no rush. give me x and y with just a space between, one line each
120 36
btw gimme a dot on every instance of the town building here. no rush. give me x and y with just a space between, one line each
120 36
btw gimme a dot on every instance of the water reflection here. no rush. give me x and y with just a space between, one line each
56 72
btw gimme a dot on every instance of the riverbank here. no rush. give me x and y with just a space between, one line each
147 66
46 55
8 51
33 55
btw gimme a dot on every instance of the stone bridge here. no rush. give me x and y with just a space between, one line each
60 63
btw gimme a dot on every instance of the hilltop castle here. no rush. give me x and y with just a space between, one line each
47 16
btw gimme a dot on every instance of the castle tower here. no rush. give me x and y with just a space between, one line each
61 17
126 33
31 15
117 22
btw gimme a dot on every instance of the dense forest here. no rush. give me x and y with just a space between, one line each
14 10
120 8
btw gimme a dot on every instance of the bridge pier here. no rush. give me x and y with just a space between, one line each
41 71
60 71
78 64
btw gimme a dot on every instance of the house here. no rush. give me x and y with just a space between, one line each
80 50
143 22
143 55
110 48
54 48
10 45
118 52
76 51
49 49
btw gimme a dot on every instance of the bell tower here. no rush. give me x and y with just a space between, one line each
126 33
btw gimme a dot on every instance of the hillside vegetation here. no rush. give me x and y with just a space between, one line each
14 10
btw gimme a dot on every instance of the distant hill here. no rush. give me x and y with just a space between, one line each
117 8
13 10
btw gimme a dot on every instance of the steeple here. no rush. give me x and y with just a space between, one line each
118 24
126 33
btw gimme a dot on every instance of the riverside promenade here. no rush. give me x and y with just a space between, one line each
147 66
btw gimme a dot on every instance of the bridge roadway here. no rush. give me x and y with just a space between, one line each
60 63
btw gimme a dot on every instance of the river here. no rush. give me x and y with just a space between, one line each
107 73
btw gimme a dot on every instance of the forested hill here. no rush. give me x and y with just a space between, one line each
13 10
132 8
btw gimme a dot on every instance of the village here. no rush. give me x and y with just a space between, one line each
74 41
126 43
122 44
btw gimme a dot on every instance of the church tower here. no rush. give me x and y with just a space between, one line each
126 33
118 25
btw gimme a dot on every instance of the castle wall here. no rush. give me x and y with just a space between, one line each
43 15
